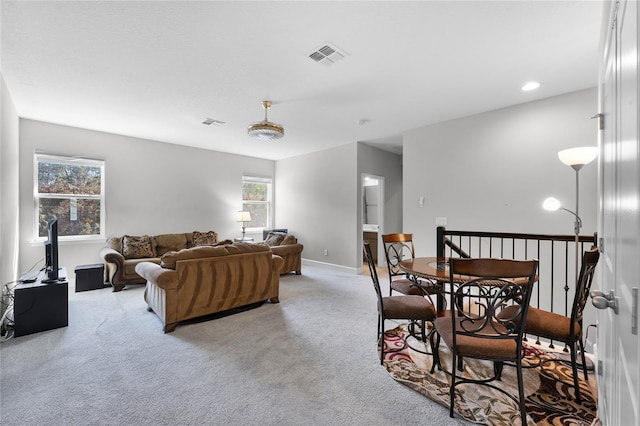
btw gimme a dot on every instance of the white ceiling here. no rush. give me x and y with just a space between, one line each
156 70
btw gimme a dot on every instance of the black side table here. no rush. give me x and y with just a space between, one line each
89 277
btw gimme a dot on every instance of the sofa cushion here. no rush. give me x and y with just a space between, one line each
137 247
289 239
170 242
239 248
204 238
275 238
169 259
130 265
115 243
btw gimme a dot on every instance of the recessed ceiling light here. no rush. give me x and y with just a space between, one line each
532 85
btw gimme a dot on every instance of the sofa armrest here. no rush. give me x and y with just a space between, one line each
114 262
277 262
164 278
287 249
112 256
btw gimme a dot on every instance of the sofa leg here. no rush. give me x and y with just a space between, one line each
298 272
274 300
168 328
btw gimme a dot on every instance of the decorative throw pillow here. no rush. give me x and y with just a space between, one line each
274 238
204 238
137 247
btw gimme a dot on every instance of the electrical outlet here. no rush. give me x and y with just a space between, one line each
326 252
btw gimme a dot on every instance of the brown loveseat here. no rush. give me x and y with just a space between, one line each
194 282
122 254
286 246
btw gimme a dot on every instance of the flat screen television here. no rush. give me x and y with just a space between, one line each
51 251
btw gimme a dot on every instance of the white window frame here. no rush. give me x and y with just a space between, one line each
42 157
260 179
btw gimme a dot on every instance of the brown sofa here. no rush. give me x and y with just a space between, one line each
199 281
286 246
122 254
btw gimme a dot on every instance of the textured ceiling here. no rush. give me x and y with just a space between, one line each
156 70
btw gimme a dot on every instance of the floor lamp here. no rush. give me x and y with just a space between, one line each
576 158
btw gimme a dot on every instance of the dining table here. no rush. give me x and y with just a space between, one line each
436 271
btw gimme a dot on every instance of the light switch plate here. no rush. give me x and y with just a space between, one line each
441 221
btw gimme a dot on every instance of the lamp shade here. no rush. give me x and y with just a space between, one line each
551 204
578 156
243 216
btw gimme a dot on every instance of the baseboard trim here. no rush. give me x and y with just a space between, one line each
330 266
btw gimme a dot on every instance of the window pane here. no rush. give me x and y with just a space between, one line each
259 215
61 178
254 191
85 211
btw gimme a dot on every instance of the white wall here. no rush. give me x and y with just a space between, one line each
9 176
317 200
491 171
151 187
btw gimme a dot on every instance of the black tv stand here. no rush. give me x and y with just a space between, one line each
42 304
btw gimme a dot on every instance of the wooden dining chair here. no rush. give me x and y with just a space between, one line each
475 328
567 330
405 307
399 247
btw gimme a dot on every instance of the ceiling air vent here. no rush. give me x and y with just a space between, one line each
326 54
211 121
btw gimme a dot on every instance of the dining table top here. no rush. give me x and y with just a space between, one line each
430 268
437 269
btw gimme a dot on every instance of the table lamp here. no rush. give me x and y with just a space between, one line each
244 217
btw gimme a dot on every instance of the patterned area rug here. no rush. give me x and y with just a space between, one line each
548 400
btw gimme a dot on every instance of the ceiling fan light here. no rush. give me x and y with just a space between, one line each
265 130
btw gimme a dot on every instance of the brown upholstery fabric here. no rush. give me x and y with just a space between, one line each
137 247
289 239
209 238
548 324
120 269
405 286
169 259
289 249
275 238
408 307
235 275
170 242
473 346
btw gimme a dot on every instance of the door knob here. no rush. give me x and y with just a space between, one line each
603 301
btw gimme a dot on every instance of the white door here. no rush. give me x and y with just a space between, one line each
619 222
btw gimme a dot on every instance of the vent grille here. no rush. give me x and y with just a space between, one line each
327 54
213 122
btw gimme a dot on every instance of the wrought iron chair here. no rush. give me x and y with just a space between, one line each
475 328
568 330
398 247
407 307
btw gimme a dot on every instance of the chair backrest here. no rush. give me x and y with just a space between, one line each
397 247
492 285
372 270
585 278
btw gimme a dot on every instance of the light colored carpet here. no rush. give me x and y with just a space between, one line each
309 360
548 400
